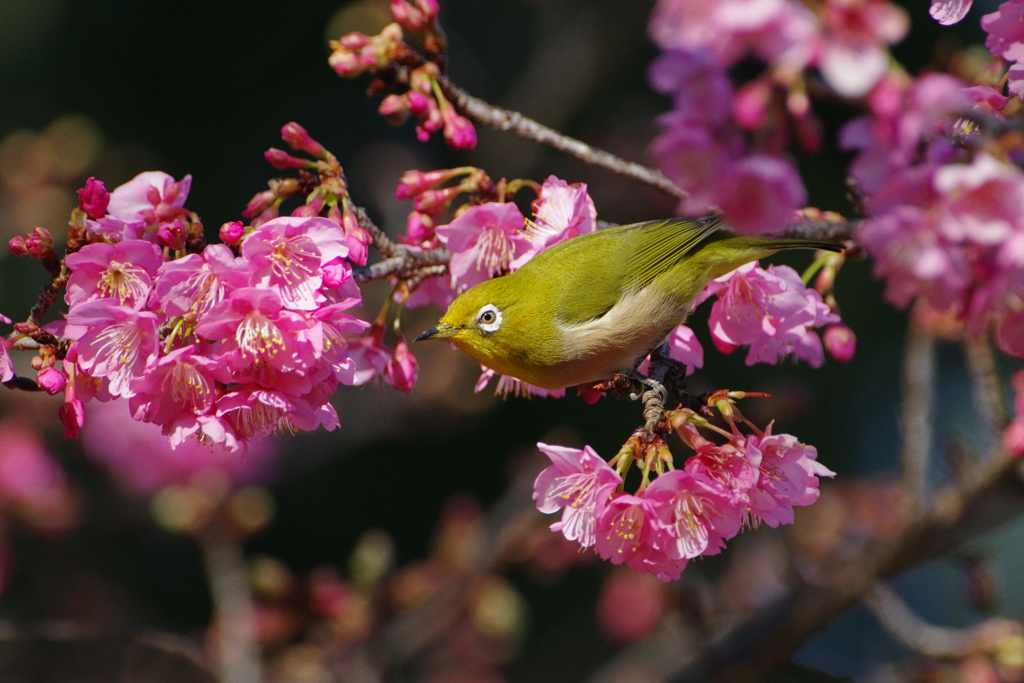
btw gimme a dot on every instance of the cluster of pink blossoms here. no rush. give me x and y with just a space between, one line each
355 54
683 513
219 346
725 142
945 220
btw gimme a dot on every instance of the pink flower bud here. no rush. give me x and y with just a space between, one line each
459 132
434 202
171 235
840 342
232 233
17 246
419 227
25 327
39 243
72 414
394 108
52 381
415 182
419 104
259 203
336 272
282 160
93 199
410 18
346 63
402 367
354 41
296 136
429 8
358 240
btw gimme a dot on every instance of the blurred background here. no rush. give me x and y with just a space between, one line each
107 543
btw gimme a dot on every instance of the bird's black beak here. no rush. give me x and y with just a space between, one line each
438 331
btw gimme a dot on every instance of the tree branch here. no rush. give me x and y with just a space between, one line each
916 413
768 638
528 129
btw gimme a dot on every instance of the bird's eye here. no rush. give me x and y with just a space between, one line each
489 318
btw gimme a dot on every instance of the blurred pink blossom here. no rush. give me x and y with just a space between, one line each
140 458
948 12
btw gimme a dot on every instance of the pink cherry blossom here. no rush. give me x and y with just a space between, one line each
626 530
256 329
150 197
180 384
731 468
696 518
561 212
253 411
770 310
484 241
782 31
193 284
287 254
955 240
120 343
122 271
684 347
369 354
854 55
789 473
759 193
580 483
1005 29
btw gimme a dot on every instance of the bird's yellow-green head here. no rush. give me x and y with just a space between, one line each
495 324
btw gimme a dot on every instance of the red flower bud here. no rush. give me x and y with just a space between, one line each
296 136
93 199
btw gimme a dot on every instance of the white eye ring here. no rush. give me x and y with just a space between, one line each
489 318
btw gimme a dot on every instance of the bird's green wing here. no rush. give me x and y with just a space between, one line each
658 246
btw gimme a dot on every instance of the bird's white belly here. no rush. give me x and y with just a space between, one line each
614 343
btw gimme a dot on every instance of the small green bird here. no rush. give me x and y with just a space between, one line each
595 305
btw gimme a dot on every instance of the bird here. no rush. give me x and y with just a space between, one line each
594 306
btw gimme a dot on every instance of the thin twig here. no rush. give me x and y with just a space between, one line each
822 230
985 384
916 413
384 244
528 129
911 630
232 598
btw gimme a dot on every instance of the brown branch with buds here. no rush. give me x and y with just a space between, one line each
528 129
